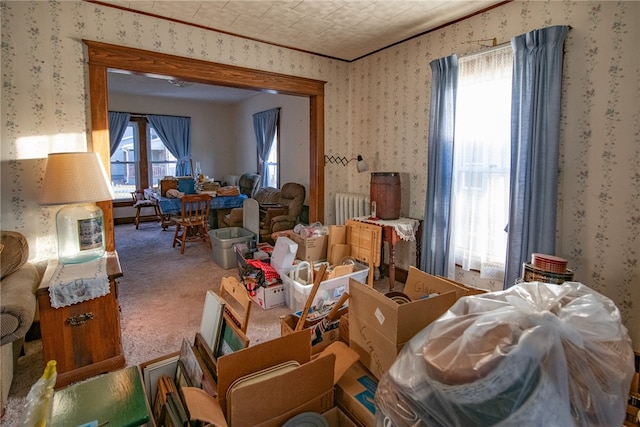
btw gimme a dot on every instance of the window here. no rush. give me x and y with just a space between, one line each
123 163
481 162
140 160
163 163
273 168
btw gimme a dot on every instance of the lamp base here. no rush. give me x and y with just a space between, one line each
81 235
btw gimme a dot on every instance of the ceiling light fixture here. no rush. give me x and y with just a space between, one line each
179 83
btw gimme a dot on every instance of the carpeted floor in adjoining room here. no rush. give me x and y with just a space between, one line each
161 295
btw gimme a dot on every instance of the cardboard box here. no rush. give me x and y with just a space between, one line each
270 297
337 247
271 399
310 248
288 326
336 418
344 328
379 327
354 394
274 400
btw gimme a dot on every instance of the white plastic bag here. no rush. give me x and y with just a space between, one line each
37 411
534 355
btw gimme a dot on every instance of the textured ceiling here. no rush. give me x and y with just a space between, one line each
341 29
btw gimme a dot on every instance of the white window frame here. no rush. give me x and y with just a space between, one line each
143 163
480 195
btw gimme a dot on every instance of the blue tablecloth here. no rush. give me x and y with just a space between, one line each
170 206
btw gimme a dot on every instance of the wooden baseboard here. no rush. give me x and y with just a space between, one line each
130 220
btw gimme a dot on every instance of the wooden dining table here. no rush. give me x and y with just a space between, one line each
170 206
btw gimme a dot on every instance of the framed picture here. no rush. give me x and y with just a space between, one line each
206 354
164 387
154 369
182 377
189 366
90 232
211 322
231 338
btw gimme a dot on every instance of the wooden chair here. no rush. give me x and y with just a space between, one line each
237 302
141 202
193 223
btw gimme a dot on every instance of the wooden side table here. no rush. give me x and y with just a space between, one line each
84 338
391 236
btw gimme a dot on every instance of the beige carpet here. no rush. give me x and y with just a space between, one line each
161 297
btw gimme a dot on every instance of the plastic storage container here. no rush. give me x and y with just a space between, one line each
296 293
223 241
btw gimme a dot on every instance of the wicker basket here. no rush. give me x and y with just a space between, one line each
550 263
531 273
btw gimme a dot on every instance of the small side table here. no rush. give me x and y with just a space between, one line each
84 338
392 237
113 399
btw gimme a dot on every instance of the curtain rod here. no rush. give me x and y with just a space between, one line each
144 115
494 44
486 49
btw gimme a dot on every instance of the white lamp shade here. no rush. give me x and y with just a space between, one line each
77 180
72 178
362 166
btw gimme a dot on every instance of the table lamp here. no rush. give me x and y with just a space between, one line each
77 180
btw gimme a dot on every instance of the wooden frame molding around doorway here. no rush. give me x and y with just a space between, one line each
103 56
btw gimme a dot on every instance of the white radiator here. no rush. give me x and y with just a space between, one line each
349 205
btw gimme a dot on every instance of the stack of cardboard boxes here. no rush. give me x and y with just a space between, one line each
378 328
338 377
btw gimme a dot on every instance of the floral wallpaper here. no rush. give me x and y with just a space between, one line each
599 209
377 106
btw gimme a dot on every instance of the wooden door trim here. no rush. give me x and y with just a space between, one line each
104 56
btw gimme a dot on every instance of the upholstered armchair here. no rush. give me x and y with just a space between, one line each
19 280
265 195
285 214
249 184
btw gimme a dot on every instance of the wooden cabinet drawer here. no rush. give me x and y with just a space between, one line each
84 338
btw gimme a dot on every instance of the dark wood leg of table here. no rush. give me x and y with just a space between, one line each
166 222
389 235
392 265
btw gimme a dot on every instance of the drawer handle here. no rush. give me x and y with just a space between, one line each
79 319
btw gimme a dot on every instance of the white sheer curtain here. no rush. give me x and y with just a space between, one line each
482 161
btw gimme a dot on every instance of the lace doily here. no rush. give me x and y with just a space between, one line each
74 283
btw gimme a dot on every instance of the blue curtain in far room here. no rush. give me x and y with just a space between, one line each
118 123
175 134
535 128
437 217
264 126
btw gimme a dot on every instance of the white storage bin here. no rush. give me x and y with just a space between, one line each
330 290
